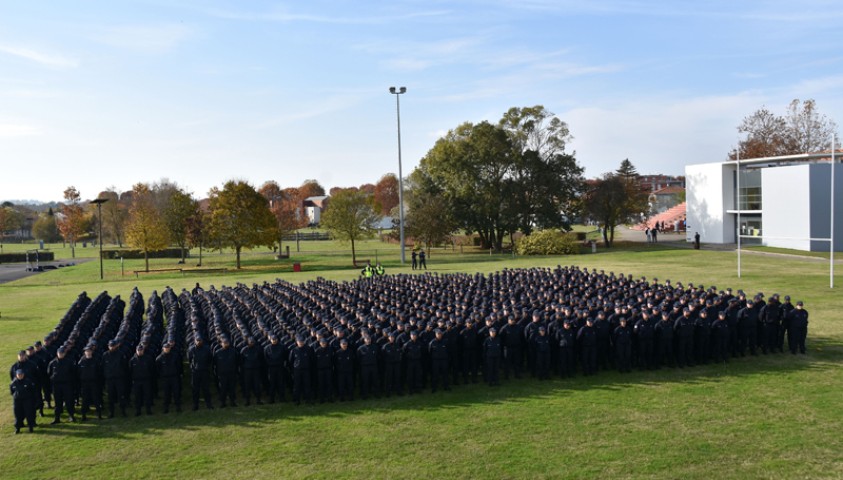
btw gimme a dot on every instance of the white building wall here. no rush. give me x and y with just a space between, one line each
786 206
708 195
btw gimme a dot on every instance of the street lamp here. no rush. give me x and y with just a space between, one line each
98 202
397 92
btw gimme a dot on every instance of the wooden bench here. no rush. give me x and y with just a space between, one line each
157 270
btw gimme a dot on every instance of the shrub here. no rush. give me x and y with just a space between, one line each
20 257
548 242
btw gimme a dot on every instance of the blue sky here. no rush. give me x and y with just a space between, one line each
100 93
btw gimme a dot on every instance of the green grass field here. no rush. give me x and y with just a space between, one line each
766 417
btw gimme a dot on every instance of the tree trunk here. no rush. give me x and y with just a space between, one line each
146 259
612 235
606 236
183 254
237 248
353 253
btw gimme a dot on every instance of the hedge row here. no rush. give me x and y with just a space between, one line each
20 257
128 253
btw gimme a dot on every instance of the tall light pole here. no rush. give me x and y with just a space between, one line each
98 202
397 92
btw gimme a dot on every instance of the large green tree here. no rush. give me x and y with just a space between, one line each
45 227
350 216
241 218
498 179
145 229
180 207
614 199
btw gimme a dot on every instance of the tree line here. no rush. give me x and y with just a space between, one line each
486 179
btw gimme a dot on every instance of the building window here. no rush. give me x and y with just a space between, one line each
749 196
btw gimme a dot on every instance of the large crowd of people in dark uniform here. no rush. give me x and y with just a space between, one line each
386 335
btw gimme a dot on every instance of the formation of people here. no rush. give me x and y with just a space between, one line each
380 336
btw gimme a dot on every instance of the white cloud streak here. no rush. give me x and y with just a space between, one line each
41 58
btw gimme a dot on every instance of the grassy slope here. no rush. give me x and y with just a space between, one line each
773 416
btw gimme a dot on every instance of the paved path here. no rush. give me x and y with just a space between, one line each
9 272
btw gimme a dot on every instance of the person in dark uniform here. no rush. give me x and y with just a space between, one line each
540 344
512 338
391 354
251 358
225 362
24 393
770 320
169 368
367 359
414 257
797 329
604 339
683 329
141 371
34 371
566 340
323 359
438 362
114 369
200 359
89 370
344 368
62 372
702 336
492 353
587 341
275 354
422 260
663 330
747 328
301 361
720 338
622 342
644 332
412 357
43 381
785 307
468 350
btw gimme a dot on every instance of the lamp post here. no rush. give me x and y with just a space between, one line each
98 202
397 92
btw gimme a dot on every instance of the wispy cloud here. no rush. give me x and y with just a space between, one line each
145 38
312 110
285 16
45 59
18 130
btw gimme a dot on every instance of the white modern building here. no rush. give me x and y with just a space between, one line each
781 202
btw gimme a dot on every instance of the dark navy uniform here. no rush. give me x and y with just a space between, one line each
169 368
225 361
200 359
114 369
492 353
62 372
142 371
24 393
275 355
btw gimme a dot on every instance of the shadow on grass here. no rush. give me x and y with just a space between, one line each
825 355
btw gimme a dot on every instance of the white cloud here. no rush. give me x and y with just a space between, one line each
661 135
45 59
18 130
145 38
285 16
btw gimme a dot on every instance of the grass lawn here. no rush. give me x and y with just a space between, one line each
766 417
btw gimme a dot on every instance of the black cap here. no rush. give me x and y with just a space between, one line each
113 342
800 303
19 372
